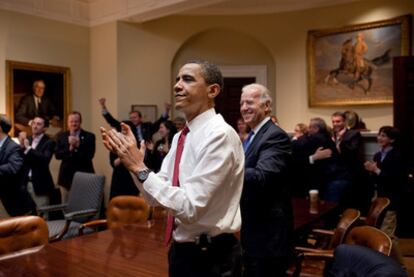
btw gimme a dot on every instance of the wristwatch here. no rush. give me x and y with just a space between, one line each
142 175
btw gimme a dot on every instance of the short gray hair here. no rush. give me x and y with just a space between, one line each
264 93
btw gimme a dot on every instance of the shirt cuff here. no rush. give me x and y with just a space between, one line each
311 161
105 111
27 150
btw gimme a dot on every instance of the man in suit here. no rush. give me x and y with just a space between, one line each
144 130
349 145
76 148
38 150
317 154
267 221
35 104
13 194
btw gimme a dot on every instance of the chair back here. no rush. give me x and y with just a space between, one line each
126 209
370 237
22 232
86 193
377 211
348 220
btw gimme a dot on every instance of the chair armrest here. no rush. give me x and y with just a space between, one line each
92 224
301 256
311 250
326 255
51 208
323 232
79 214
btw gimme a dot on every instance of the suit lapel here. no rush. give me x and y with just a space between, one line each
3 148
257 137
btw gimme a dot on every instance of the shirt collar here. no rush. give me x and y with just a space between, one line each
263 122
201 119
39 137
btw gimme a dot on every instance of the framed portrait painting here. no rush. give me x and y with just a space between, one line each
352 65
37 89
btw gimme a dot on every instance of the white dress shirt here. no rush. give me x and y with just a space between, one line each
211 180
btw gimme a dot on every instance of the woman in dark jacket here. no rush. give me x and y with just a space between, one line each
122 182
156 153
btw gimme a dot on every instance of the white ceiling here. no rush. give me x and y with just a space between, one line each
95 12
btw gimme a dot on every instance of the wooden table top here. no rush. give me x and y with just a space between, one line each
304 219
126 251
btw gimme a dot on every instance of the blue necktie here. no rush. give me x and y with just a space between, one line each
247 142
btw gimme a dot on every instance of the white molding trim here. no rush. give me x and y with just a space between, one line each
257 71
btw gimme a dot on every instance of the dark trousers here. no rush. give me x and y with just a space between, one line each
264 267
219 257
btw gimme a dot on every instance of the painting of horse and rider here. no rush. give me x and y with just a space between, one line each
353 65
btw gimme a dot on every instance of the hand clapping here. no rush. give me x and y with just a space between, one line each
125 146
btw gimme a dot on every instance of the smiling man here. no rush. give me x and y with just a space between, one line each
265 204
200 181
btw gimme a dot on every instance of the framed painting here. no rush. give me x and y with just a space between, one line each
37 89
148 112
352 65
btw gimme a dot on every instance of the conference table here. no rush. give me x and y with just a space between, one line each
125 251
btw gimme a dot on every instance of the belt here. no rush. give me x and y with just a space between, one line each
204 241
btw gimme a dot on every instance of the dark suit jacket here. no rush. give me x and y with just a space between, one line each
322 171
77 160
267 221
359 194
147 128
16 200
27 109
351 149
38 161
391 181
122 182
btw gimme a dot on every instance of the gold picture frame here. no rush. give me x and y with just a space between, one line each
20 77
352 65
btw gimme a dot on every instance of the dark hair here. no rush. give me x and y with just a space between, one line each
320 124
76 113
45 120
5 124
211 73
341 114
171 127
137 112
391 132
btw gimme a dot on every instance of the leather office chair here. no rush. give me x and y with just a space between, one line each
22 232
84 204
347 221
314 267
122 210
366 236
370 237
376 212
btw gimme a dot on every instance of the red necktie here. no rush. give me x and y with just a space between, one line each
175 181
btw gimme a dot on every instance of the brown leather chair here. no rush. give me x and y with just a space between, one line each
366 236
22 232
122 210
347 221
376 212
370 237
314 267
